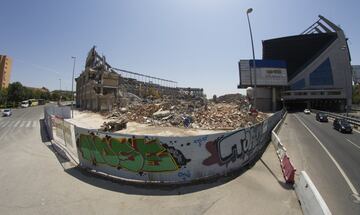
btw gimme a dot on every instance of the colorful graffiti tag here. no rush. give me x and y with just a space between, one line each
133 154
241 144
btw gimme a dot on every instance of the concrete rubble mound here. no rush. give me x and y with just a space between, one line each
228 112
135 97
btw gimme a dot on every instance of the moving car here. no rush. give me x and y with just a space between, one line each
321 117
342 125
6 112
307 111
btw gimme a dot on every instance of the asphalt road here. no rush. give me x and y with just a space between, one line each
331 159
34 179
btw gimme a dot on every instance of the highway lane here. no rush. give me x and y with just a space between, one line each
346 153
308 154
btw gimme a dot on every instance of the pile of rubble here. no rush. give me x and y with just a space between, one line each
114 125
229 112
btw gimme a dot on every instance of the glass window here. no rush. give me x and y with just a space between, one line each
322 75
300 84
300 94
334 93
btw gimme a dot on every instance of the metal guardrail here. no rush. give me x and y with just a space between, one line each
351 120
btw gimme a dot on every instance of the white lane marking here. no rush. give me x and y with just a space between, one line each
17 123
352 188
28 124
356 130
10 124
352 143
5 124
22 124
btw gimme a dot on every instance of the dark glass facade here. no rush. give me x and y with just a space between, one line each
322 75
300 84
298 51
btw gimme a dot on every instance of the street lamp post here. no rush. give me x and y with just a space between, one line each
60 84
253 52
60 91
72 88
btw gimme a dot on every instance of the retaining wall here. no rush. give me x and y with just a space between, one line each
162 159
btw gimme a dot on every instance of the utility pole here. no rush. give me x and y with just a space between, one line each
253 52
72 88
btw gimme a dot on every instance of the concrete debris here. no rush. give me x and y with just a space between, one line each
164 114
113 126
228 112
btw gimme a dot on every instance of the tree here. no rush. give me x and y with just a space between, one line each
16 92
3 95
356 94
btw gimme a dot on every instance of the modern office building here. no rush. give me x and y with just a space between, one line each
318 67
5 70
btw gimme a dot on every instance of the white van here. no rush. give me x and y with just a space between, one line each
25 104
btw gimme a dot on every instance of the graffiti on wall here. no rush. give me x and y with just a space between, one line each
241 144
133 154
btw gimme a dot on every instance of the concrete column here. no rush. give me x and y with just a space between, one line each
273 89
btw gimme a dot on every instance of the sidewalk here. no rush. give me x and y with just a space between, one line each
259 190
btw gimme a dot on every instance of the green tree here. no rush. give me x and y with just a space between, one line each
16 92
356 94
45 95
3 96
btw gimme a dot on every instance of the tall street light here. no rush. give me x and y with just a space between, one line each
60 91
72 88
253 52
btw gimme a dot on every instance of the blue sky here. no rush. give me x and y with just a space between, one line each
194 42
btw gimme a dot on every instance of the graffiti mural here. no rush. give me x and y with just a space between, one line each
241 144
133 154
164 159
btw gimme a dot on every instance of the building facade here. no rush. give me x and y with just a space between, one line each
318 66
5 70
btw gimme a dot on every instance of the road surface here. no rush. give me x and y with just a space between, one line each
34 180
331 159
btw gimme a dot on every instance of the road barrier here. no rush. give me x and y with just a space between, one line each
287 167
352 120
288 170
309 197
160 159
279 147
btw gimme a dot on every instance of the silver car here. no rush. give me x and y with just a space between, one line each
6 112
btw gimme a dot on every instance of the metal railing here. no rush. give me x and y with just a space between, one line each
352 120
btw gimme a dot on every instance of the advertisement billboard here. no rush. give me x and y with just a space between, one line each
268 73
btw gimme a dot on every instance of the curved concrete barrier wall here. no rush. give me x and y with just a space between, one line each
160 159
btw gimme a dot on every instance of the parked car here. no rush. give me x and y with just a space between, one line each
6 112
342 125
307 111
321 117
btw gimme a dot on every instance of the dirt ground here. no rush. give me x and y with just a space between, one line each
91 120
